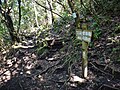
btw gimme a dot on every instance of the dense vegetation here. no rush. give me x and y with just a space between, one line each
39 48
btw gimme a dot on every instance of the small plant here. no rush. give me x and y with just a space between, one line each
117 29
96 31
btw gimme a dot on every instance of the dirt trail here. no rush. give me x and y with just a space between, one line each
23 69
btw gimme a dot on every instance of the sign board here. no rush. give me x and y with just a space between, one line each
74 15
84 35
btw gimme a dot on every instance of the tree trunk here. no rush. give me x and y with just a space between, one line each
9 25
9 22
49 12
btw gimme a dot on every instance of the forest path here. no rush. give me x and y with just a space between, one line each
23 68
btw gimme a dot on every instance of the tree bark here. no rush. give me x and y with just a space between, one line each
9 23
49 13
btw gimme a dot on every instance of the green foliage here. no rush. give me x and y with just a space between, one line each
72 53
60 23
115 54
117 29
106 6
28 20
5 39
96 31
42 51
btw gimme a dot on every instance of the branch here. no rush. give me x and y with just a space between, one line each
48 9
60 4
100 70
0 6
19 2
0 2
71 5
9 22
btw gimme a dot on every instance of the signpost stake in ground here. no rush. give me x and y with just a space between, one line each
85 35
84 59
84 52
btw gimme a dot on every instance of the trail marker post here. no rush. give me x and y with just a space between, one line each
84 35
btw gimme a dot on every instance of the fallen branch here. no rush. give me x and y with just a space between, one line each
107 87
23 47
49 68
100 69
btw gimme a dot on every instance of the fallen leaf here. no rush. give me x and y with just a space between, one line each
77 79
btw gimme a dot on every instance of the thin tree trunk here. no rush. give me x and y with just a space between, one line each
49 13
9 23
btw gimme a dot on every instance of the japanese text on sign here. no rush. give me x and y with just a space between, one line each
84 35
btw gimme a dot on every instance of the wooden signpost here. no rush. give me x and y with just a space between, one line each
84 35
